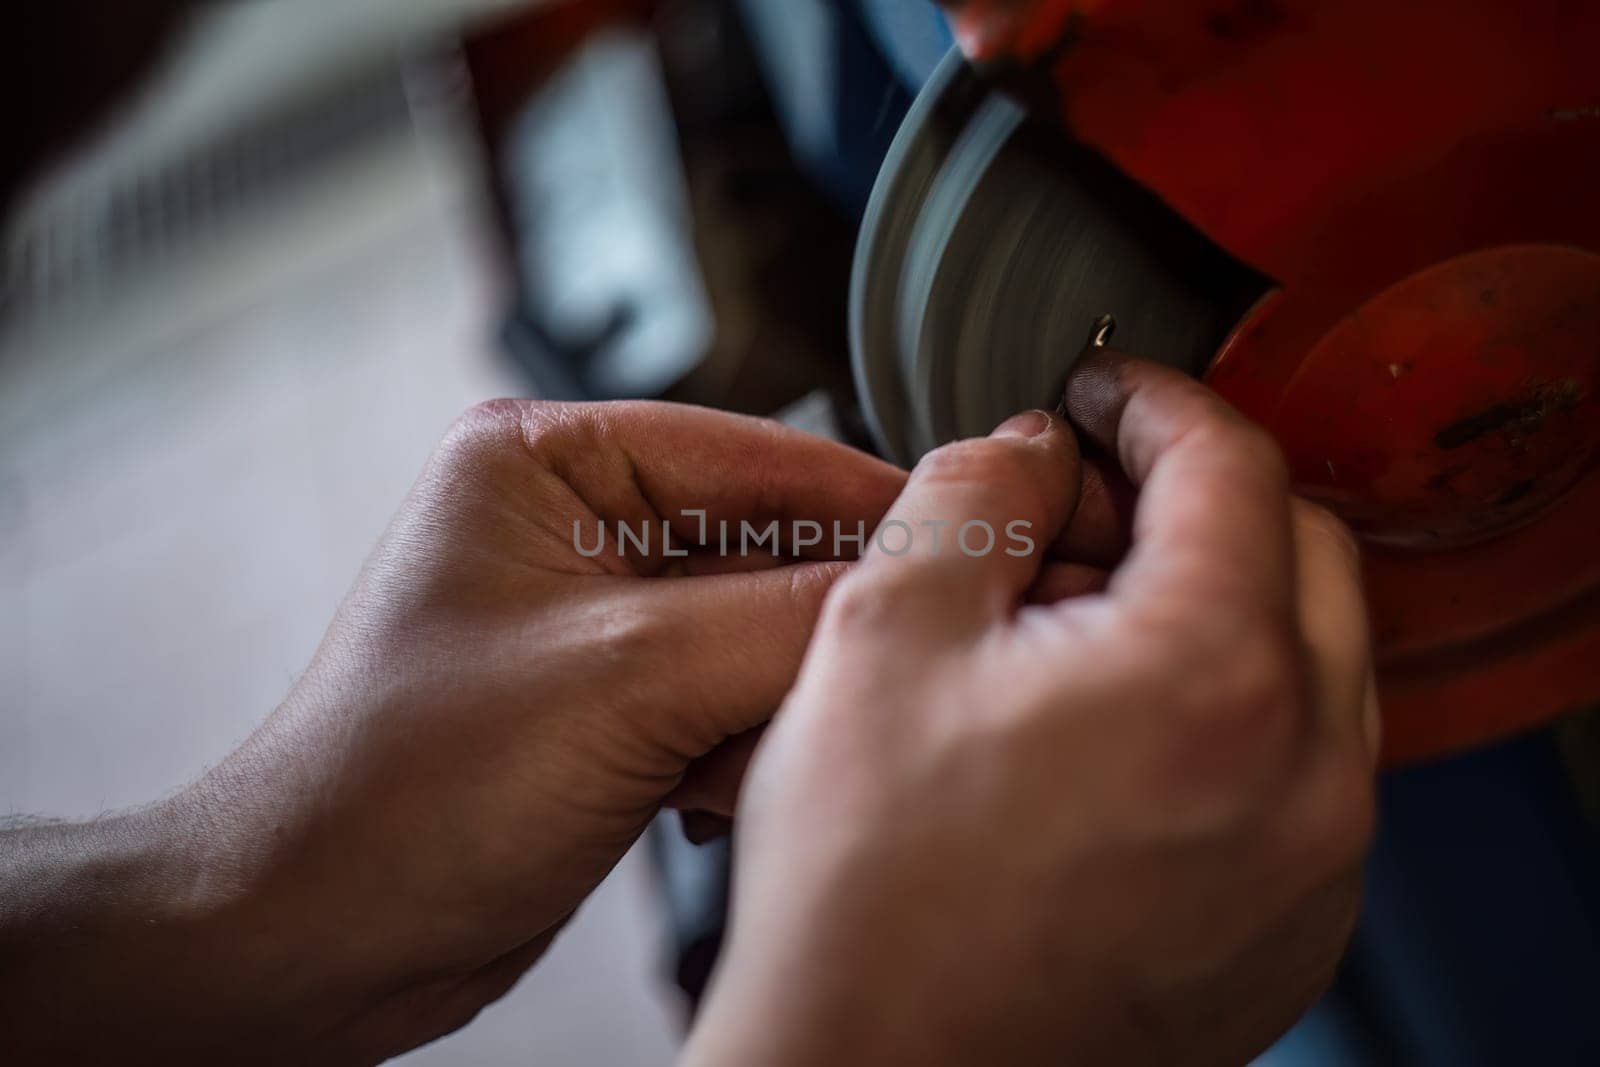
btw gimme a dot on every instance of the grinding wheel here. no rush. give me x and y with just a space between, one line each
991 245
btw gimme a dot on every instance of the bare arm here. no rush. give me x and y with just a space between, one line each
491 722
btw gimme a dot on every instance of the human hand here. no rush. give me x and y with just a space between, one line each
490 723
1123 827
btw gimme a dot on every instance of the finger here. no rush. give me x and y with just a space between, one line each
965 538
1063 581
1096 536
1101 526
1211 527
1333 620
729 482
712 657
710 561
712 782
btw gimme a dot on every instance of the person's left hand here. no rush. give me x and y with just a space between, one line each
493 719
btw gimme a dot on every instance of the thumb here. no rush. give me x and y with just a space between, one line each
974 520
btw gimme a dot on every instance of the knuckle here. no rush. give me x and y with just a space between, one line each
1236 693
483 428
1259 675
1327 531
1337 815
1227 664
1262 447
1242 444
488 417
809 587
499 430
861 602
631 639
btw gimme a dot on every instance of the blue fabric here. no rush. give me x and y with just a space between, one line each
838 100
1481 938
1479 941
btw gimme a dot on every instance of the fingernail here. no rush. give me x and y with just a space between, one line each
1027 424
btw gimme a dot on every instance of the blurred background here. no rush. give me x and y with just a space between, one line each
256 256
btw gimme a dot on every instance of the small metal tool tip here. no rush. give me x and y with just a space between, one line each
1099 334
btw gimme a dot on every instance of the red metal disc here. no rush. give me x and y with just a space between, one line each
1455 421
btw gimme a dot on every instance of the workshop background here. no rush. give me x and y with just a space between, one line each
239 313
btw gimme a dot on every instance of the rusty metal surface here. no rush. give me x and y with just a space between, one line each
1458 404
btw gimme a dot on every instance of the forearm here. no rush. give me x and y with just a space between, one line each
132 938
99 923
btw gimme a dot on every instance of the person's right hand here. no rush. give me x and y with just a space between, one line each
1121 827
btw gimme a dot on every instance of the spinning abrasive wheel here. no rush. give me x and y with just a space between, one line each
991 246
1373 229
